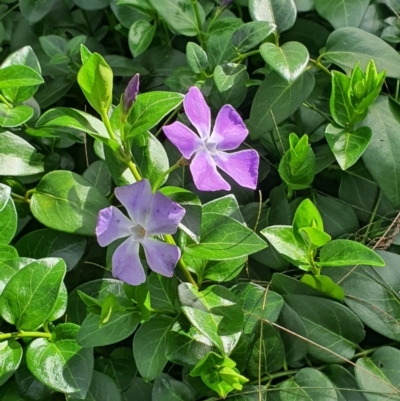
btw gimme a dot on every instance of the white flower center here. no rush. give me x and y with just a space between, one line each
138 233
210 145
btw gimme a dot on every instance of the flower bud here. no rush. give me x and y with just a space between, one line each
130 95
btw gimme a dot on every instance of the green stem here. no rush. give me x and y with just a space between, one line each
24 334
6 102
199 23
277 376
372 218
134 170
165 173
241 57
26 197
9 11
396 96
176 111
319 65
18 197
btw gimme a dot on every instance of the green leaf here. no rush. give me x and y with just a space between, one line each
347 147
343 12
7 252
138 389
62 364
18 157
61 304
227 205
379 374
168 389
65 201
231 240
48 243
96 81
382 157
99 176
282 13
102 388
62 117
5 193
10 267
150 108
140 35
15 116
8 222
250 35
325 285
284 241
308 385
215 313
150 156
30 308
120 366
149 346
35 10
307 215
15 76
180 16
120 325
348 46
196 58
220 47
340 106
227 74
276 99
372 294
343 252
53 45
10 358
288 60
330 326
163 292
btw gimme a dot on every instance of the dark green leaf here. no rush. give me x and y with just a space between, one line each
141 34
35 10
196 58
251 35
168 389
99 175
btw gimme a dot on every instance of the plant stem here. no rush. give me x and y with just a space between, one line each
241 57
396 96
165 173
199 23
372 218
175 112
277 375
6 102
19 197
318 64
9 11
22 334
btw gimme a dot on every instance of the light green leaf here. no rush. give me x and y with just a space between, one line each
250 35
227 74
15 76
168 389
342 252
140 35
325 285
288 60
340 107
18 157
196 58
10 358
66 202
8 222
15 116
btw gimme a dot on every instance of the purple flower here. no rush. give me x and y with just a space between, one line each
150 214
210 150
130 94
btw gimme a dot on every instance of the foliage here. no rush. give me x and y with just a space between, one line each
199 200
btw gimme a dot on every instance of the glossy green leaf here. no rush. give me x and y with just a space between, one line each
250 35
276 99
18 157
15 76
307 215
99 175
340 107
120 366
62 364
8 222
227 205
180 16
30 308
382 157
279 12
149 346
227 74
66 202
120 325
60 305
231 240
140 35
215 313
96 81
15 116
348 46
342 252
379 374
330 326
343 12
34 10
48 243
347 147
150 108
288 60
196 58
5 193
163 292
325 285
10 358
10 267
53 45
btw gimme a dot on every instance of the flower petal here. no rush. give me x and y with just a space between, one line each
161 257
126 264
164 217
183 138
229 130
241 166
197 111
112 224
137 200
205 174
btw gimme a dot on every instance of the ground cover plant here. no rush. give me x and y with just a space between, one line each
199 200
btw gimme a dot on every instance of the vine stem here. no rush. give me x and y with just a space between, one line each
6 102
241 57
319 65
23 334
198 20
165 173
132 167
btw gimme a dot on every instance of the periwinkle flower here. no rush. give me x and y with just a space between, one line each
150 214
130 94
209 150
